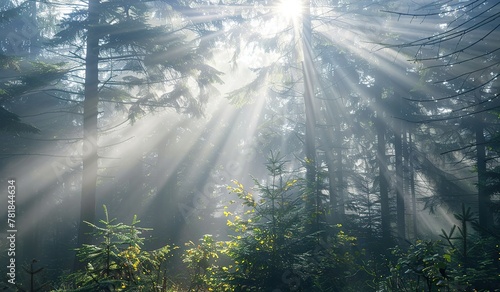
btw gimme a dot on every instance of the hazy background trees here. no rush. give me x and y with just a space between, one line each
386 112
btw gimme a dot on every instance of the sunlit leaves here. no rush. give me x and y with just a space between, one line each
131 256
118 258
201 260
264 233
246 197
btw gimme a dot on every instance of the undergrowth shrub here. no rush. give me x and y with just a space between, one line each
118 262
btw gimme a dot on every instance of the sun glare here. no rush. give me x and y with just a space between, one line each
290 9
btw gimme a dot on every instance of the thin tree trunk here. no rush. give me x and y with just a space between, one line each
340 186
411 173
336 185
334 214
90 104
166 205
406 177
333 147
34 36
383 184
400 203
485 214
310 135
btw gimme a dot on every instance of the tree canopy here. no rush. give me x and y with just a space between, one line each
285 145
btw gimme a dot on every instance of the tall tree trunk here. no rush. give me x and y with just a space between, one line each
33 33
484 204
332 190
90 105
400 203
340 185
411 176
332 137
310 135
406 176
166 207
336 184
383 183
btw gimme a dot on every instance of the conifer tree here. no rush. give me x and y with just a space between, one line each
460 60
125 58
20 74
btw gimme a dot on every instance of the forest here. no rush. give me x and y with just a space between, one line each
249 145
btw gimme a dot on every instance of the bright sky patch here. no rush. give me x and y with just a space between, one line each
290 9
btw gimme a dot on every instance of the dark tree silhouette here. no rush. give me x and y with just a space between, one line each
463 58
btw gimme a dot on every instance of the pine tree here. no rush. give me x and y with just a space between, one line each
461 65
20 74
130 61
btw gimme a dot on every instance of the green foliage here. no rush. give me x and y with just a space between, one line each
265 243
201 261
466 261
475 254
422 267
118 262
269 248
19 79
153 66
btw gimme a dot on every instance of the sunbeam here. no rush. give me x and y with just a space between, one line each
262 145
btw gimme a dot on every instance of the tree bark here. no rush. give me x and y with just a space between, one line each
411 176
400 203
383 183
90 108
336 184
331 187
484 204
310 135
166 207
340 186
